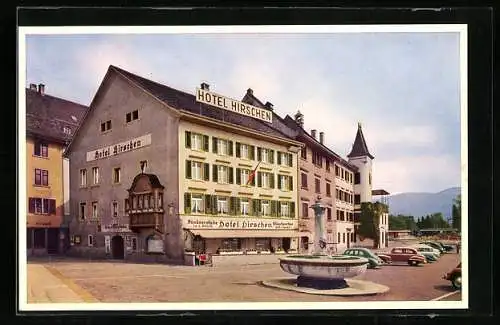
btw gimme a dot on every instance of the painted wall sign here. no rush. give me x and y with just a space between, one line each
229 104
194 222
115 228
119 148
155 246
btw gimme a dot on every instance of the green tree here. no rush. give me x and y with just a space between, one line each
396 223
456 213
370 219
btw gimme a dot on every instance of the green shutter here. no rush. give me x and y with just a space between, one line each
290 183
259 179
259 154
214 173
230 148
292 210
290 160
252 152
237 203
205 143
238 175
187 203
238 149
206 171
214 144
271 180
273 209
271 156
208 204
250 207
188 169
278 153
231 175
279 181
232 205
188 139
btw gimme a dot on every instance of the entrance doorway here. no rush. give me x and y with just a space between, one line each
52 240
286 244
117 248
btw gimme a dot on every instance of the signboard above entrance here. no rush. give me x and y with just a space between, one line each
229 104
223 223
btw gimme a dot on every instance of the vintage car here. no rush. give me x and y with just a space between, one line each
429 252
434 245
375 261
455 276
447 247
407 255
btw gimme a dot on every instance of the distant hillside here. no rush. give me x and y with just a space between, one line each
421 204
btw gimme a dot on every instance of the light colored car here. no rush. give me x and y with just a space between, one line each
437 252
428 252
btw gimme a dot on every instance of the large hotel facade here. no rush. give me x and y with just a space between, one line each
156 172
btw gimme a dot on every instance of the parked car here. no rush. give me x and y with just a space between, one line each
434 245
375 261
436 251
428 252
455 276
447 247
407 255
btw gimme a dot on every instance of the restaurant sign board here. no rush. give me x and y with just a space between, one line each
118 148
221 223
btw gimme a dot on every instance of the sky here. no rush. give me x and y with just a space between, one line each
404 88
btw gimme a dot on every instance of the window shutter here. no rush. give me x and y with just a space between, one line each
214 144
231 175
256 207
273 209
187 203
230 148
238 149
37 148
292 209
52 206
259 178
290 183
188 139
290 160
278 153
279 181
31 207
238 175
208 204
188 169
205 143
237 205
232 205
259 154
252 152
271 180
271 156
214 173
206 171
250 207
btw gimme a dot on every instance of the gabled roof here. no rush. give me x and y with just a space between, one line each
187 102
47 116
359 148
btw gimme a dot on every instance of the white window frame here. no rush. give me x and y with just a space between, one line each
197 170
245 174
244 207
244 151
284 209
222 147
222 207
115 170
265 208
95 210
284 158
197 203
196 141
83 177
95 175
264 155
284 182
266 180
222 174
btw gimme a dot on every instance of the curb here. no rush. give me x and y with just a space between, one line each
82 293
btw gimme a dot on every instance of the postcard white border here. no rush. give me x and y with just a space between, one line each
302 29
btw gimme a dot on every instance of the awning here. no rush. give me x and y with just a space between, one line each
245 233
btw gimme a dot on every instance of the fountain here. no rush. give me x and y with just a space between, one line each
321 273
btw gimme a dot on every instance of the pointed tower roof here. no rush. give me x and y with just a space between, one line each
359 148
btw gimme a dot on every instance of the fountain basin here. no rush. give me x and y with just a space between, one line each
323 266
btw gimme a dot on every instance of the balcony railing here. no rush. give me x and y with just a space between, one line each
148 220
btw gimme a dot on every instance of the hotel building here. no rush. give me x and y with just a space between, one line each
50 124
156 171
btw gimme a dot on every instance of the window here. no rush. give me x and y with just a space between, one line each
303 153
41 177
222 205
94 210
244 207
129 117
328 189
317 159
82 211
197 203
221 146
222 174
196 141
283 179
266 181
244 150
303 177
262 244
285 159
265 209
42 206
245 173
95 175
134 243
317 185
357 178
106 126
115 209
328 164
231 244
284 209
329 214
338 239
196 170
83 177
370 179
357 199
41 149
90 240
343 237
305 210
116 175
265 155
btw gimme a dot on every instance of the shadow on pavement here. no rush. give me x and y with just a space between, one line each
445 287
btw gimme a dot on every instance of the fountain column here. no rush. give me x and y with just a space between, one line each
319 247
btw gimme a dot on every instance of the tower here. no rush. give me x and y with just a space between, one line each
361 158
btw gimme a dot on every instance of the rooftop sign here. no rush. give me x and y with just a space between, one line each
229 104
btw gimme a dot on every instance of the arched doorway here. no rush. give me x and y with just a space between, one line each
117 248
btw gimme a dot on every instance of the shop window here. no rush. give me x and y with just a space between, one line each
198 245
39 238
233 244
262 244
29 239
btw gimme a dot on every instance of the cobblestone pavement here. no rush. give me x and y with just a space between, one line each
117 282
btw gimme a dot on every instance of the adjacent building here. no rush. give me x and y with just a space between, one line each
50 124
156 172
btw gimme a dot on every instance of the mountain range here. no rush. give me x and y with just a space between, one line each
422 204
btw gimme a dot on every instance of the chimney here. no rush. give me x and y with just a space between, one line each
33 87
41 89
299 119
249 91
269 106
313 133
321 137
205 86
